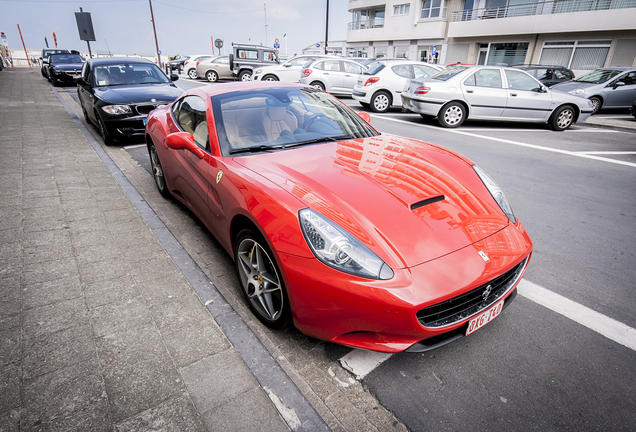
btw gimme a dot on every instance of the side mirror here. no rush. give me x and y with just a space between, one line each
287 65
184 141
618 84
364 116
174 77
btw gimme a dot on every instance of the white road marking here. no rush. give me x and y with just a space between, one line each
609 152
361 362
517 143
134 146
608 327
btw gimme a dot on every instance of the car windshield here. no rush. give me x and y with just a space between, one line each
128 73
373 68
598 76
65 58
279 118
449 72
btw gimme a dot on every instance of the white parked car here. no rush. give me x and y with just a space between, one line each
190 66
288 71
336 76
379 86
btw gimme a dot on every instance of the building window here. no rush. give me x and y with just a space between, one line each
507 54
433 9
577 55
402 9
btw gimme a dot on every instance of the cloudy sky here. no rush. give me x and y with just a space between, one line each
183 26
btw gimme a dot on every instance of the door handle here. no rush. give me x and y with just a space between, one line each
470 91
513 94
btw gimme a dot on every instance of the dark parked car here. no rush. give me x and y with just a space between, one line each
548 75
245 58
46 52
116 94
634 109
63 68
177 63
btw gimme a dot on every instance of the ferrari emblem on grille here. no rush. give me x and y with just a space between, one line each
486 292
483 256
219 175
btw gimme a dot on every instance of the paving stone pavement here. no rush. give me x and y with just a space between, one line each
99 329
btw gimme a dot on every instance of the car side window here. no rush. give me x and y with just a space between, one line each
269 56
629 79
247 54
423 71
518 80
351 67
542 74
222 60
299 61
331 65
402 70
484 78
86 70
190 116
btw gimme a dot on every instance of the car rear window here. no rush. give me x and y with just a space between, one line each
598 76
373 68
448 73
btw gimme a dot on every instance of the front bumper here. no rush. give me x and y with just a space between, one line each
381 315
125 127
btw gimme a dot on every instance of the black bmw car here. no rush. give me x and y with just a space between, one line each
116 95
63 68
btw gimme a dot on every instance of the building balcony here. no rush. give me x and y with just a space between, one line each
554 16
364 4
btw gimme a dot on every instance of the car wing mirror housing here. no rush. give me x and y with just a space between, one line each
365 116
174 77
184 141
619 84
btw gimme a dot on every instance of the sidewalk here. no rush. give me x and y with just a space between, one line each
612 122
99 329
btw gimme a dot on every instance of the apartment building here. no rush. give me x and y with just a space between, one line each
579 34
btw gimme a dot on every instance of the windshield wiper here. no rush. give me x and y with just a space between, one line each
254 149
319 140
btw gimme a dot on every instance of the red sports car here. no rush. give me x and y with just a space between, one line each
361 238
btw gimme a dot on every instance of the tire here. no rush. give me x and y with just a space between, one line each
192 73
597 102
103 131
318 84
364 104
381 102
562 118
269 78
245 75
211 76
157 171
452 115
260 279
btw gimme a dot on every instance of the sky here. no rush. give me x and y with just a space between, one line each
183 26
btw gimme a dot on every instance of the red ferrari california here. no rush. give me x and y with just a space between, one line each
360 238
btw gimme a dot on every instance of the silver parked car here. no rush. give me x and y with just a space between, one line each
492 93
336 76
288 71
379 87
215 68
606 87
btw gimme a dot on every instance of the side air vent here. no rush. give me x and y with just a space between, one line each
427 202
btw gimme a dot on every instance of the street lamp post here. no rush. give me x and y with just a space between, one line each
152 18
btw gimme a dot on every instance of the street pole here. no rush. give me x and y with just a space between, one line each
24 46
265 10
327 28
152 18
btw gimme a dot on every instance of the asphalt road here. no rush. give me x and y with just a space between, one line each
533 368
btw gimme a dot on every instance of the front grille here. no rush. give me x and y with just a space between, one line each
145 109
471 303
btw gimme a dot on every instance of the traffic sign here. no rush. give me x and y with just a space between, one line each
277 45
159 52
218 43
434 50
276 40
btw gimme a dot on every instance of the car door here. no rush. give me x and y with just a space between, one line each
621 95
191 173
526 98
352 72
333 76
85 92
222 67
484 91
290 70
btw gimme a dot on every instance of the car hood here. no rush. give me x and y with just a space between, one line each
134 94
572 85
68 66
408 201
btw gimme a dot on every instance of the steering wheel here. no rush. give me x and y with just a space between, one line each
311 120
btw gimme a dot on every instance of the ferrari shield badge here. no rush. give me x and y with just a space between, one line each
481 254
219 175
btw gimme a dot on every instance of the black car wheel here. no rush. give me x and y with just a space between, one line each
381 102
452 115
192 73
597 103
157 171
211 76
103 131
562 118
245 76
270 78
260 279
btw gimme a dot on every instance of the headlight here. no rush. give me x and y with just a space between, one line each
338 249
117 109
577 91
258 72
496 193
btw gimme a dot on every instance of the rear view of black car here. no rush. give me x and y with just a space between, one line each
63 68
116 95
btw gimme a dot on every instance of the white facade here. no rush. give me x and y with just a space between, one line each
580 34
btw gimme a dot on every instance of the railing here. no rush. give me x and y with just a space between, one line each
368 23
541 8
